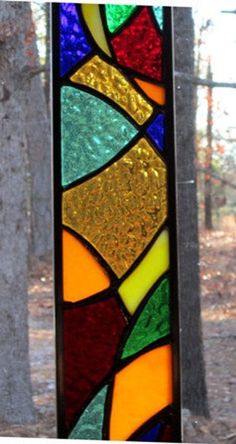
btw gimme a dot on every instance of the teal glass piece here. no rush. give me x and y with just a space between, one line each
158 12
153 322
116 15
90 424
92 133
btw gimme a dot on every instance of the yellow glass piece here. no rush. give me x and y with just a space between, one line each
83 276
120 210
155 92
92 17
141 390
139 282
106 79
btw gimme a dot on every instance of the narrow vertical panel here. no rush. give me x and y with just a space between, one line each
116 282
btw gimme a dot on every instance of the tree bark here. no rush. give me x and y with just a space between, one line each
39 146
208 157
16 404
193 372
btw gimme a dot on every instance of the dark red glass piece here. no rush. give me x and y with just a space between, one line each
91 337
139 46
167 435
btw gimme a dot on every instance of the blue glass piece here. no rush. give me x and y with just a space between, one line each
157 131
158 12
73 42
152 435
90 424
92 133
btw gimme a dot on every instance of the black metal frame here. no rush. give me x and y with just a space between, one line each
169 158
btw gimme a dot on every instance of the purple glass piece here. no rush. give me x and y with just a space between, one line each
157 131
73 42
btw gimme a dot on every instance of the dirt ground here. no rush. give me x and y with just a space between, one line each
218 285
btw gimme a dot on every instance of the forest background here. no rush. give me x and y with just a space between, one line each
205 89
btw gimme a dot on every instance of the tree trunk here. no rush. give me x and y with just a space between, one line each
39 146
193 372
15 386
208 159
48 55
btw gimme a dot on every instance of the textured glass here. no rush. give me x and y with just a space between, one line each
158 12
157 131
92 334
120 209
116 15
92 17
134 288
141 389
90 424
107 80
153 322
74 45
92 133
139 46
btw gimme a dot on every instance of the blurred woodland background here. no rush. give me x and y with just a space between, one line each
205 87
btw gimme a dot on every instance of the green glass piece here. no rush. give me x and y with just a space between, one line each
158 12
90 424
92 133
116 15
153 322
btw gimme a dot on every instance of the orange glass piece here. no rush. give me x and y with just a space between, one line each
83 276
141 390
155 92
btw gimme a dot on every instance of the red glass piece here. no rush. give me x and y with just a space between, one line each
91 337
139 46
167 435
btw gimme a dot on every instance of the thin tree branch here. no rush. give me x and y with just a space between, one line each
204 82
217 177
31 71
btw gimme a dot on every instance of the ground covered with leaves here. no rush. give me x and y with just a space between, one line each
218 285
218 302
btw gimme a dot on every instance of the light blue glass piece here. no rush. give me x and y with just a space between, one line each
90 424
158 12
92 133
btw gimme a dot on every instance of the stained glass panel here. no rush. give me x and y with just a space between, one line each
115 228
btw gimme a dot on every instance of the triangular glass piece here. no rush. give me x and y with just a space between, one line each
152 435
92 133
73 42
153 322
158 12
90 424
116 15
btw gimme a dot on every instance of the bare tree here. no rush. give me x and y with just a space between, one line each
194 386
39 146
16 404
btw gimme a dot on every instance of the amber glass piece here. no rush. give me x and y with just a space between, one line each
141 390
83 276
155 92
119 210
107 80
92 17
